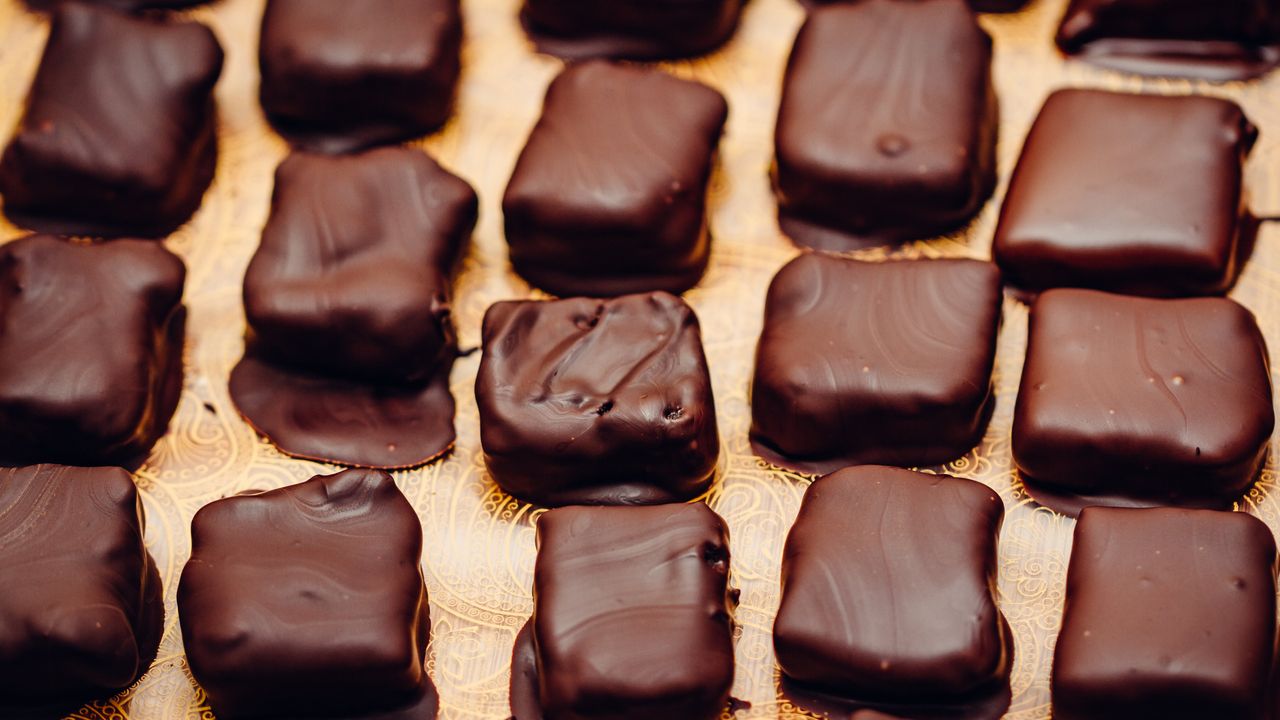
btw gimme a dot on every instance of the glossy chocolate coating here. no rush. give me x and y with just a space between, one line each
632 617
864 362
597 401
347 300
309 601
888 122
1137 194
888 581
987 6
340 75
609 195
1133 401
82 609
631 29
91 353
1218 40
118 137
1170 614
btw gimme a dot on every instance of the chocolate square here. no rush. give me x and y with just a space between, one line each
309 601
82 609
609 195
91 353
865 362
1136 194
1170 613
1134 401
631 616
597 401
119 136
888 596
633 29
340 75
888 122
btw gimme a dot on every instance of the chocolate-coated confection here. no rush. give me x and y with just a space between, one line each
119 136
997 6
1218 40
888 598
347 300
339 75
125 5
887 127
631 617
863 362
597 401
309 601
91 353
609 196
1133 401
633 29
1170 614
82 609
1137 194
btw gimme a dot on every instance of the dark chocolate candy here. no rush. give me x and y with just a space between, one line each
119 135
340 75
633 29
988 6
91 353
309 602
124 5
1170 614
1133 401
888 596
864 362
347 300
888 122
597 401
82 609
1218 40
1137 194
632 617
609 196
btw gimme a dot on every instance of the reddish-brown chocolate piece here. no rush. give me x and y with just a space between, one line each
630 29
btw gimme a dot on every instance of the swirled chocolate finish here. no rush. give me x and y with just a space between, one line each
632 617
340 75
597 401
863 362
1170 613
82 609
888 122
347 300
91 353
1135 194
309 602
630 29
118 137
1221 40
1134 401
609 195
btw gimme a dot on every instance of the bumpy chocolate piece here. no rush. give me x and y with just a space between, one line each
1137 194
888 598
119 136
309 601
888 122
609 196
632 617
347 300
1133 401
82 609
91 353
597 401
1170 613
340 75
631 29
1220 40
863 362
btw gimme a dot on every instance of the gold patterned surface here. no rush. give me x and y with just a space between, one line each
479 542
